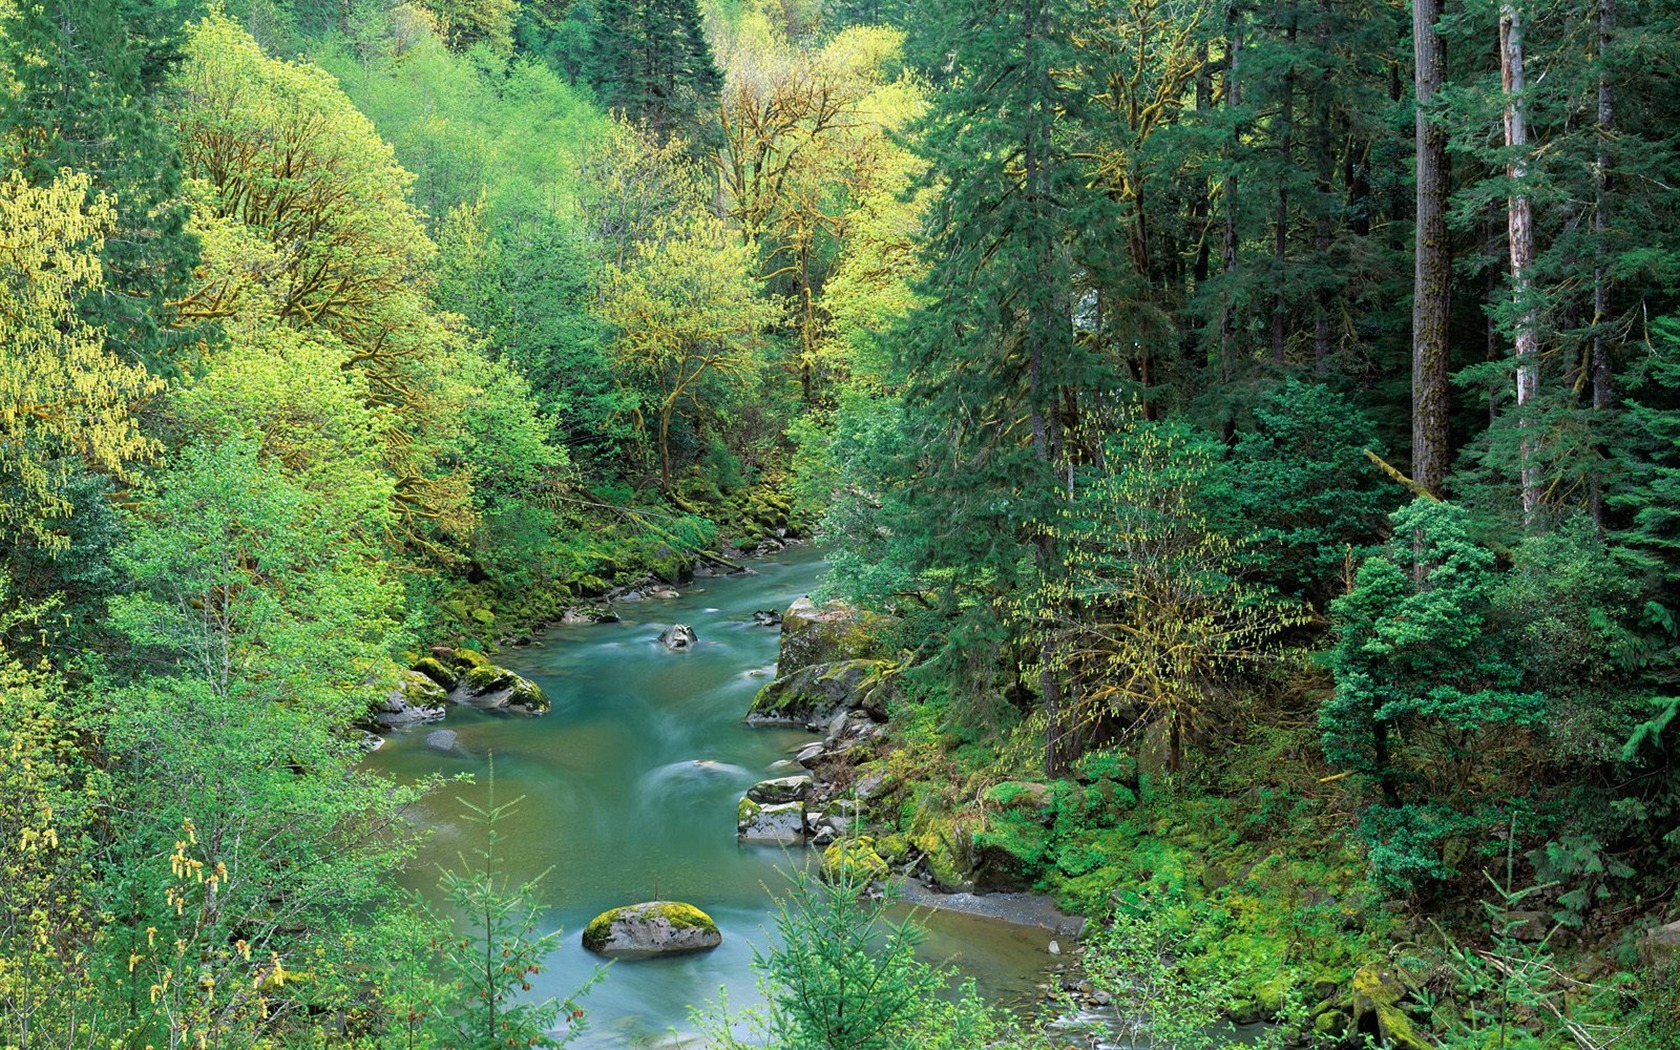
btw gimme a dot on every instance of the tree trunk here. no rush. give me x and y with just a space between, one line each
1520 228
1324 181
1233 101
1432 275
1200 206
1041 400
1602 394
1280 229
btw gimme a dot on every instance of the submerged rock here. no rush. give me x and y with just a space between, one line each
443 740
678 637
652 928
767 618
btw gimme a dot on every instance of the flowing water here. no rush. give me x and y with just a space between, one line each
629 789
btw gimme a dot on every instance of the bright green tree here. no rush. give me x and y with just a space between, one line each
65 400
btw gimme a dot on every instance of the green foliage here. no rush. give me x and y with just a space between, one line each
1149 617
1309 500
85 91
1428 693
650 62
842 976
65 401
488 950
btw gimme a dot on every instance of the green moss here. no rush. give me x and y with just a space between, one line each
490 679
434 669
746 810
856 857
1377 990
468 659
1010 851
894 848
680 916
529 695
419 690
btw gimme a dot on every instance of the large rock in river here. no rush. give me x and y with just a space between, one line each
493 688
678 637
813 634
781 790
652 928
813 695
782 823
416 700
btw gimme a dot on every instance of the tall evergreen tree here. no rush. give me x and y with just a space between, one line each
650 62
996 379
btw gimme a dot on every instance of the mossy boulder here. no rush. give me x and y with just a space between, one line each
1377 994
944 852
467 659
781 790
813 695
855 858
651 928
776 822
415 700
1010 851
813 634
527 698
493 688
433 668
1026 798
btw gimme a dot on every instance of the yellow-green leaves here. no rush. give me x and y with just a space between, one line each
62 394
689 318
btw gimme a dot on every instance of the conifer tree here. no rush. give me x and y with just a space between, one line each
996 382
650 62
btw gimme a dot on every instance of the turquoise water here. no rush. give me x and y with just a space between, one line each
630 786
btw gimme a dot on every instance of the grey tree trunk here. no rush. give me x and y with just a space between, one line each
1519 224
1603 394
1431 285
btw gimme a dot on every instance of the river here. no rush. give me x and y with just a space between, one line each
629 790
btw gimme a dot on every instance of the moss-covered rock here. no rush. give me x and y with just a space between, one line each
433 668
1377 994
493 688
781 790
1010 851
415 700
651 928
944 853
528 698
813 695
468 659
777 822
488 679
1029 799
856 858
813 634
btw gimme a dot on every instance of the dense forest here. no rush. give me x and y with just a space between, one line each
1247 437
